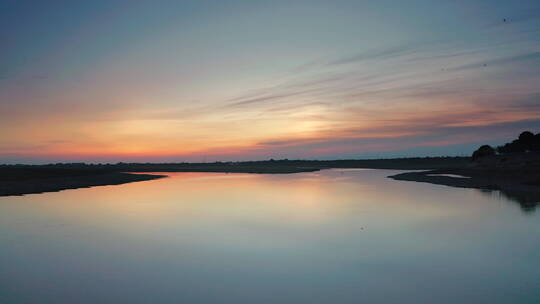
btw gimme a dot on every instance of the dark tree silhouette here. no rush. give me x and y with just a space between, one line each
483 151
526 137
527 141
535 146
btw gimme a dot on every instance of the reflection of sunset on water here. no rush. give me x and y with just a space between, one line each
347 232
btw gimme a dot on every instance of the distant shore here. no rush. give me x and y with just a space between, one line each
28 179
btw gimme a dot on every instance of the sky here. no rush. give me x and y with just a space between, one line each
152 81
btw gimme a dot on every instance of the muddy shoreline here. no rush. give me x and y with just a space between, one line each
54 184
521 186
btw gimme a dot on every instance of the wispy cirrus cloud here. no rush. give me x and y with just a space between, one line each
278 79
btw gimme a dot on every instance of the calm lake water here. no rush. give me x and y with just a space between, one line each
335 236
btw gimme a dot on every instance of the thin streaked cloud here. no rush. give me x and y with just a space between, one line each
248 80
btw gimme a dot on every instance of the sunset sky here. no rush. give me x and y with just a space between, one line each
108 81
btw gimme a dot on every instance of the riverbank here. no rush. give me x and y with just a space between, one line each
26 179
41 182
518 178
521 184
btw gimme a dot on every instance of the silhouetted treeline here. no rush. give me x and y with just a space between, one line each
264 166
526 142
483 151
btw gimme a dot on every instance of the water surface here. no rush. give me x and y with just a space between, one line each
335 236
